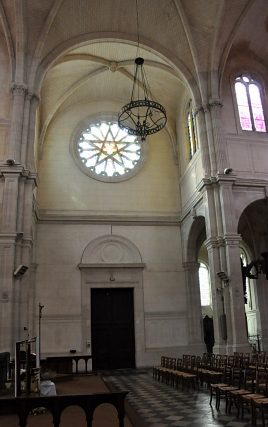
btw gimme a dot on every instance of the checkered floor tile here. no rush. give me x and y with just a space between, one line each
160 405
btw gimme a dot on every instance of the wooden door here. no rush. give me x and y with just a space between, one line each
112 328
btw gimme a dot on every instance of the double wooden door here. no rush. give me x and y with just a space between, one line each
112 328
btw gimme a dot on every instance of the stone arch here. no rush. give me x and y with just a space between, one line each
196 236
111 249
37 75
252 226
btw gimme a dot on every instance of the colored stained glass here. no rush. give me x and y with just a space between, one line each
249 104
243 107
257 110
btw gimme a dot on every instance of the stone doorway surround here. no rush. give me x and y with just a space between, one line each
115 262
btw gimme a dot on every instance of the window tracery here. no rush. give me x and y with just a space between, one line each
249 103
108 153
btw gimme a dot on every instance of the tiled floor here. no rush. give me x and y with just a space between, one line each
160 405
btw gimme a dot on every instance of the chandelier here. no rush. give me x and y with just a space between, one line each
142 116
260 265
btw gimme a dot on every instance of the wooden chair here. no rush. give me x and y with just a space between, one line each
183 378
250 400
248 387
226 381
223 391
260 403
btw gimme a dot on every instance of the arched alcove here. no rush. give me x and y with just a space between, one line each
111 249
253 229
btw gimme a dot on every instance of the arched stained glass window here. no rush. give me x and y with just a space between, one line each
108 153
191 131
249 104
204 283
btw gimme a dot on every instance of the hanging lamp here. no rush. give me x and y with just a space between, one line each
141 116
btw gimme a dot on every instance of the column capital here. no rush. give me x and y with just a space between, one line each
200 109
214 103
211 243
19 89
232 239
191 265
225 240
8 238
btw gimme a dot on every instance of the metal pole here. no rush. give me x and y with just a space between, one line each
39 327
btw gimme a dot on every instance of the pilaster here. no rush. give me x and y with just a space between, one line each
236 308
202 140
212 244
16 243
215 108
14 147
30 160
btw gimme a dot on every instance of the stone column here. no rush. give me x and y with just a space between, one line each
215 108
7 254
212 155
236 308
10 200
202 140
218 297
195 336
14 147
24 141
30 160
16 240
8 235
261 305
26 251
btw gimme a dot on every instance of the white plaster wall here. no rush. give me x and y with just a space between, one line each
58 285
63 186
190 179
247 155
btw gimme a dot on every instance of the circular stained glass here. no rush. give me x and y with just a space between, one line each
107 152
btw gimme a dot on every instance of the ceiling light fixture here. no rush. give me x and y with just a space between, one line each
142 116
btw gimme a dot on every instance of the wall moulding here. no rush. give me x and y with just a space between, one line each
87 217
165 315
111 265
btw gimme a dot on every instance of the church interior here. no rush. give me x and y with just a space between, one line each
118 245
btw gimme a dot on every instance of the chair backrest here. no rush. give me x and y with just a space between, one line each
261 381
4 368
179 364
237 376
227 374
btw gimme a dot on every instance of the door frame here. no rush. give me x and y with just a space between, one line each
114 276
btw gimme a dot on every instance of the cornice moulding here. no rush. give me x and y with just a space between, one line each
111 265
87 218
4 123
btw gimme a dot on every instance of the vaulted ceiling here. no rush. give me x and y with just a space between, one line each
75 51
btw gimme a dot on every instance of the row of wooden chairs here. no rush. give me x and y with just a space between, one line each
241 379
171 371
243 388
